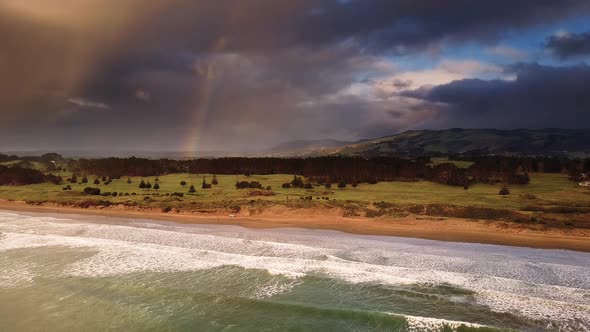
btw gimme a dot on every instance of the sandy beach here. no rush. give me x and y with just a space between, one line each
432 228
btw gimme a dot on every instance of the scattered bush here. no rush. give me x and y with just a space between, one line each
504 191
297 182
248 185
92 191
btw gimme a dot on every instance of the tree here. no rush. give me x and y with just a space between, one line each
129 181
74 179
214 180
183 183
328 185
192 190
148 186
297 182
156 186
156 180
205 185
142 184
84 179
342 184
504 191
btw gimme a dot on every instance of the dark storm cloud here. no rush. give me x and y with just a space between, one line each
539 97
251 70
569 45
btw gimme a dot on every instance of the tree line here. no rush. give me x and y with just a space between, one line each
323 170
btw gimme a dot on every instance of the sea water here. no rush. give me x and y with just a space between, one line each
70 273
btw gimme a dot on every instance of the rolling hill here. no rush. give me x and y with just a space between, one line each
530 142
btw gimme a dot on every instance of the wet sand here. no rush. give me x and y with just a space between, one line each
443 229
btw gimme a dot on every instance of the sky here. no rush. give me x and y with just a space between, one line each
246 75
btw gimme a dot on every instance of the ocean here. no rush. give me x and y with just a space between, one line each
72 273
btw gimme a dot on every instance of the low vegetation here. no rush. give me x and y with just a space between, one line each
544 200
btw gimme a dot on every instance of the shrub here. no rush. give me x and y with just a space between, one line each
341 184
286 185
166 209
91 191
297 182
504 191
92 203
54 179
248 185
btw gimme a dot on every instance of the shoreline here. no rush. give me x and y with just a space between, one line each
429 228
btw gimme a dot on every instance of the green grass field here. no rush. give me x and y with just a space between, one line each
543 190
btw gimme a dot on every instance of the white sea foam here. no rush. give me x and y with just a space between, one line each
421 324
535 283
14 276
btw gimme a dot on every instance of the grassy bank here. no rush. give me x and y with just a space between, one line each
549 199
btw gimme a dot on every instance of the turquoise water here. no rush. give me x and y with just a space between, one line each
72 273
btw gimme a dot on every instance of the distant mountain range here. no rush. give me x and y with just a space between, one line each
306 147
531 142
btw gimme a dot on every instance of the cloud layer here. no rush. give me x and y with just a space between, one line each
239 74
569 45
